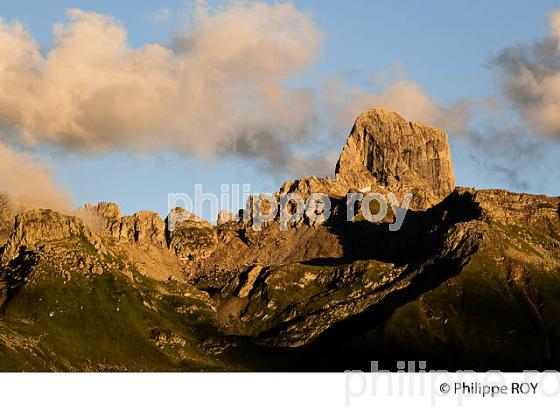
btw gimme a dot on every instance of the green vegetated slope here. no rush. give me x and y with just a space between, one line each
62 318
502 311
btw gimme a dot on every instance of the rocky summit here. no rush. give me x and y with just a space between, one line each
385 150
470 281
386 153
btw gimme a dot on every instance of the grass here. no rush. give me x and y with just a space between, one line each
309 288
104 322
477 315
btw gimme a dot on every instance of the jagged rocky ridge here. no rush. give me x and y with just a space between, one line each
471 280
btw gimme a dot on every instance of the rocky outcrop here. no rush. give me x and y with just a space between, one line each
38 226
190 237
224 217
385 153
143 229
41 225
7 211
183 233
537 211
385 150
308 185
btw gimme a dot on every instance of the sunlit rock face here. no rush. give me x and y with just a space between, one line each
386 151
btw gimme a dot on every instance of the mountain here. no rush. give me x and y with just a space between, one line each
471 280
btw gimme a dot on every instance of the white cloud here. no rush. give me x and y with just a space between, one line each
222 80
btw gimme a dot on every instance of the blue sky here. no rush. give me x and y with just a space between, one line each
443 46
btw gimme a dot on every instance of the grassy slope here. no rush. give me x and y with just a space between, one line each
104 322
484 315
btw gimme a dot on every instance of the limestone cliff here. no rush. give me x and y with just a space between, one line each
385 150
385 153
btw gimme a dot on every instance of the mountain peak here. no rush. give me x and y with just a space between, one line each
385 150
